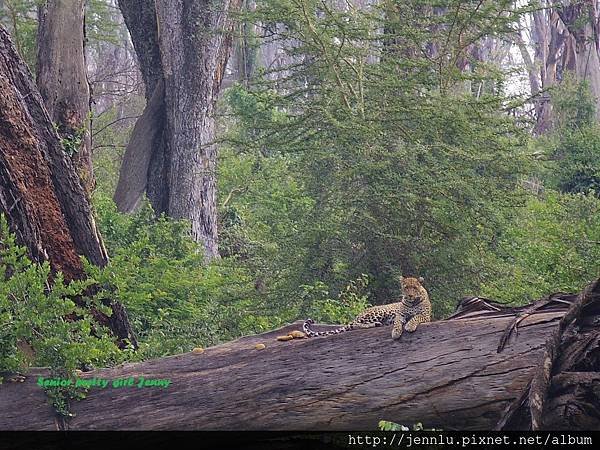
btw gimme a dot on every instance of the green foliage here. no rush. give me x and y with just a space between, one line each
352 300
552 244
576 160
35 312
60 398
70 140
574 105
267 202
174 300
399 168
20 19
253 109
101 24
572 150
385 425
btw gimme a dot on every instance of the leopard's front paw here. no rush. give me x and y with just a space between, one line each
396 333
411 326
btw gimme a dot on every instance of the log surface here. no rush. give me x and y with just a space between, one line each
447 373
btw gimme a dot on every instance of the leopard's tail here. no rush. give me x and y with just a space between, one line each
311 333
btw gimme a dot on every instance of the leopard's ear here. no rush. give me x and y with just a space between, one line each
421 279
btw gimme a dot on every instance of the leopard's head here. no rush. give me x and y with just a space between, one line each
412 289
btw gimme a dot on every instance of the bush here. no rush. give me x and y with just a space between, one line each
35 328
573 149
552 244
175 301
575 160
316 303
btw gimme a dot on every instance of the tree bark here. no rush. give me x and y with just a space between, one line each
145 137
40 192
62 79
245 54
193 39
548 39
195 44
450 374
566 39
564 391
140 18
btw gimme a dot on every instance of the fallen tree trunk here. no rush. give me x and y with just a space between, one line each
447 374
564 391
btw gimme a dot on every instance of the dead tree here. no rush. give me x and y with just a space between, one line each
41 194
462 373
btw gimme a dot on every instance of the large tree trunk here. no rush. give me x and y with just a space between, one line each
245 54
456 374
548 38
62 79
566 39
179 162
136 168
140 18
40 192
195 45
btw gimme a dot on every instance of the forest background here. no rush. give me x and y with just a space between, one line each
357 141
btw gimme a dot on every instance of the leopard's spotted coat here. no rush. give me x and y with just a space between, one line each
413 309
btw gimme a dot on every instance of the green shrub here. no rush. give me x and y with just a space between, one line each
317 304
574 160
552 244
33 313
174 300
572 150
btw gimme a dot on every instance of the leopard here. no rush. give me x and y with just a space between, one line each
413 309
